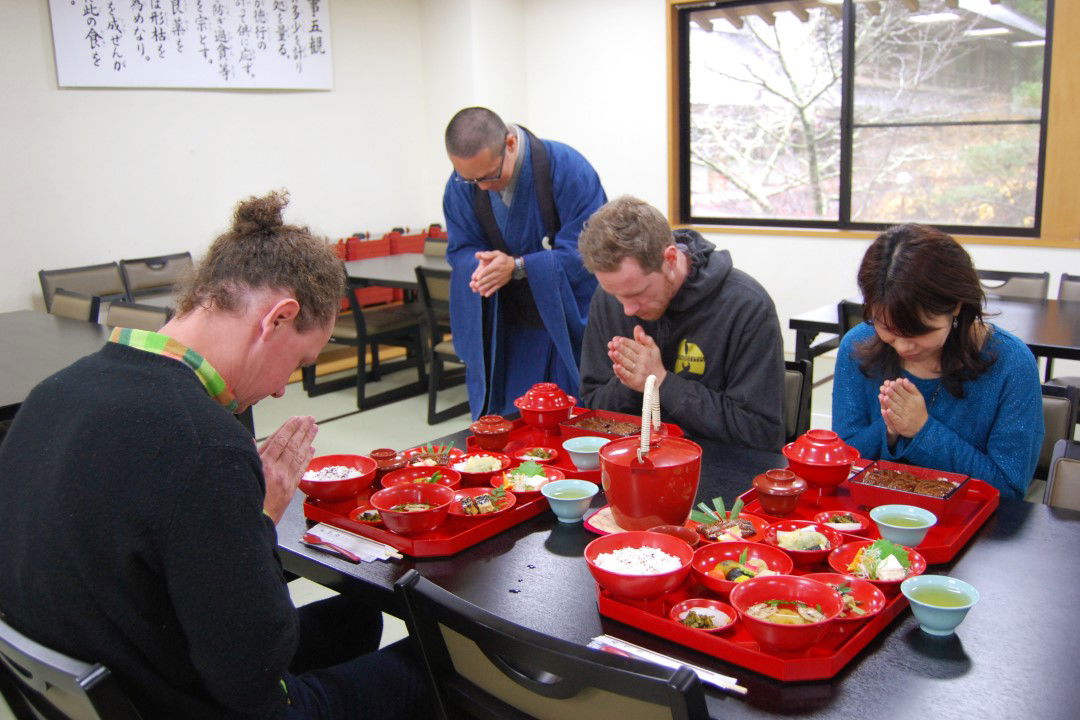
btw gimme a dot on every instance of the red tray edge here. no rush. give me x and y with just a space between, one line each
423 547
786 669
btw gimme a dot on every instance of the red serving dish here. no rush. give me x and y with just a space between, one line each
524 436
869 597
873 495
420 473
842 556
824 659
941 544
569 430
803 557
453 536
707 557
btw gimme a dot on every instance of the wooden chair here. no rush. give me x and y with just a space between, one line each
1014 285
434 247
481 665
1063 482
435 299
849 315
154 276
1059 414
797 388
102 280
367 329
75 305
39 682
136 315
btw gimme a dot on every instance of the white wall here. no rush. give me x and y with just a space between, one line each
95 175
91 175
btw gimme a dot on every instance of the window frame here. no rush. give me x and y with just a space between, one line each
679 120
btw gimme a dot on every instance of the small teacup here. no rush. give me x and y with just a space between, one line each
569 499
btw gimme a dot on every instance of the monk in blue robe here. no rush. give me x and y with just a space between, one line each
519 302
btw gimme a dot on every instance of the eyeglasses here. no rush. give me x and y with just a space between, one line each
490 178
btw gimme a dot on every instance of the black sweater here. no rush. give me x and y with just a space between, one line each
720 342
133 535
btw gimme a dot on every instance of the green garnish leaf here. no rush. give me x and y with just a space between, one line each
529 469
708 511
434 477
498 493
700 517
742 557
843 589
736 509
885 548
718 503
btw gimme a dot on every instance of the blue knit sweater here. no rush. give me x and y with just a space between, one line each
994 433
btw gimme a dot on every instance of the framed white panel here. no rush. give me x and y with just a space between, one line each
239 44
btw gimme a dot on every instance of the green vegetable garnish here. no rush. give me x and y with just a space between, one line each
434 477
718 503
529 469
708 516
843 589
885 548
742 557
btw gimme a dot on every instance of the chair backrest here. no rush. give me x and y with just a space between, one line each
1063 482
75 305
486 665
1059 413
796 398
434 288
154 275
849 314
51 684
435 248
1069 287
136 315
102 280
1008 284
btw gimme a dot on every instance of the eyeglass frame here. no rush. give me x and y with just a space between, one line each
490 178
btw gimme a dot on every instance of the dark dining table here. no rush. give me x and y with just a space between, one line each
397 271
35 346
1050 328
1010 658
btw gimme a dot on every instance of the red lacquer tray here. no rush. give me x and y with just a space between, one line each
824 660
453 536
942 543
523 436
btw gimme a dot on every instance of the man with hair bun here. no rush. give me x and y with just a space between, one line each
139 516
514 206
671 305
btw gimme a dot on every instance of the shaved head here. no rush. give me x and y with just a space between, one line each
473 129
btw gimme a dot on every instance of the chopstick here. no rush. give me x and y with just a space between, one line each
723 682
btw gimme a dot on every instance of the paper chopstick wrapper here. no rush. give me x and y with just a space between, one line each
368 550
723 682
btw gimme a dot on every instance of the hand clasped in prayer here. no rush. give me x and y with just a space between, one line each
633 360
903 408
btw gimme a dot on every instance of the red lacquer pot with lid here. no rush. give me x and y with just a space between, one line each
821 458
650 480
492 432
778 491
545 405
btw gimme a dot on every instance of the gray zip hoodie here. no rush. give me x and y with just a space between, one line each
720 343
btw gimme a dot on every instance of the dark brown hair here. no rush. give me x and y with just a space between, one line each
473 129
261 251
911 272
625 227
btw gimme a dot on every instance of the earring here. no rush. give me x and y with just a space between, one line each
955 322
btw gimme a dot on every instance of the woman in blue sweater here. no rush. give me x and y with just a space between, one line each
926 380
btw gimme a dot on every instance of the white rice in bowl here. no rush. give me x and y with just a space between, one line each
638 561
479 464
330 472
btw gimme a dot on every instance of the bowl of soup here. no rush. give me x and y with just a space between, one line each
786 613
413 508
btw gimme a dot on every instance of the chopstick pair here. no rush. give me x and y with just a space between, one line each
354 548
617 646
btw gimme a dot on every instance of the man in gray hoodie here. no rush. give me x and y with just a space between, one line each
671 305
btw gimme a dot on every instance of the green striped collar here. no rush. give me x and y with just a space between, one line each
159 344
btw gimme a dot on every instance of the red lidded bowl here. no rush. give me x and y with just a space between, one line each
632 586
788 588
545 405
657 491
386 460
821 458
778 491
438 497
339 489
492 432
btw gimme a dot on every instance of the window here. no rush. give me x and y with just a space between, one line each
859 114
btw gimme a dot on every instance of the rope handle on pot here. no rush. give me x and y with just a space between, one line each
650 408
